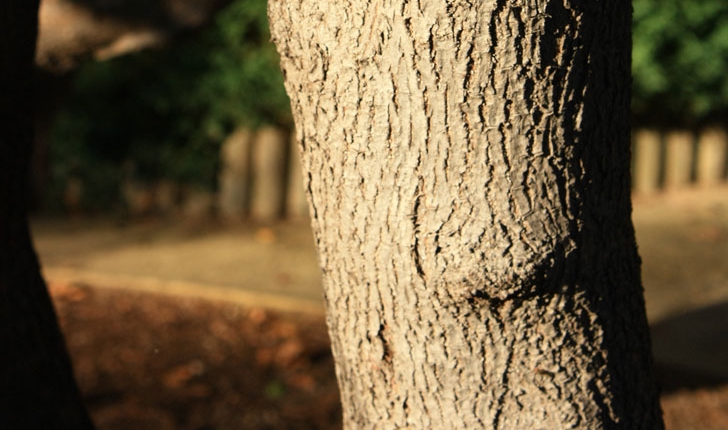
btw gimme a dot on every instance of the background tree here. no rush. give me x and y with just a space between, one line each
468 171
37 390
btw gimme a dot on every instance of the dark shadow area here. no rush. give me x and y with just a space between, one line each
691 349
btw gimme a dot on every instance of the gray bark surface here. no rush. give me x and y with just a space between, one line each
467 166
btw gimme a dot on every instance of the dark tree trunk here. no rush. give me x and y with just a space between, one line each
37 389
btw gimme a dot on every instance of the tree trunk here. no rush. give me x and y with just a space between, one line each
37 390
468 171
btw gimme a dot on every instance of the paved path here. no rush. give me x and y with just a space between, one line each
683 240
258 266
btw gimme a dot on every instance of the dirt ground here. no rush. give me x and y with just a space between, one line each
158 362
190 327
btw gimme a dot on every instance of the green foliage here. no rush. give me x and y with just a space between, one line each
680 59
168 111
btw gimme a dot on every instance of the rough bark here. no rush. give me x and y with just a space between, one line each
37 390
468 174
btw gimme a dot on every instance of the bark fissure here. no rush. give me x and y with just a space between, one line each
501 399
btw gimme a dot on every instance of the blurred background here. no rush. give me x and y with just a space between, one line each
178 106
168 206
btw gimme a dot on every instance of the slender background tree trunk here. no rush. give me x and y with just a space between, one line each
37 390
468 175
